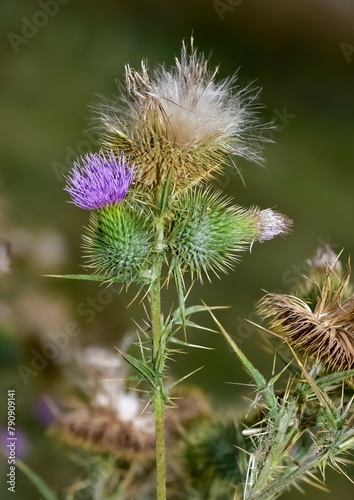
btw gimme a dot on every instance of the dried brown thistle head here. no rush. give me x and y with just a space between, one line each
324 333
112 419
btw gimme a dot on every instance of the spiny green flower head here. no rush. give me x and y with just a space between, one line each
98 180
117 241
207 232
182 119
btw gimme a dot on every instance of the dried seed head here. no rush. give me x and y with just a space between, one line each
324 269
325 258
180 119
111 421
101 430
325 333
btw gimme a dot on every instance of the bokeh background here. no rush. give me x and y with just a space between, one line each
52 67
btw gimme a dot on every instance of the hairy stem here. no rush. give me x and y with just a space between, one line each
277 487
158 359
281 437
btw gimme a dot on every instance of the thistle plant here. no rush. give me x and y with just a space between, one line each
109 433
305 425
301 420
154 216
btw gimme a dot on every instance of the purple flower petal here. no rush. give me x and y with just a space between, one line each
98 180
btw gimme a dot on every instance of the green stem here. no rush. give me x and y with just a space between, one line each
274 489
159 410
158 359
280 441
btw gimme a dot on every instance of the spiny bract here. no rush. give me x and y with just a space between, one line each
207 231
117 242
324 332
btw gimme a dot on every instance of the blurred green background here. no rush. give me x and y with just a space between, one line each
54 66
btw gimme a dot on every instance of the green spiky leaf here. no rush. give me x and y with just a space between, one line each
188 344
83 277
143 370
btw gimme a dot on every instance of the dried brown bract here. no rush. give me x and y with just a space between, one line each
325 333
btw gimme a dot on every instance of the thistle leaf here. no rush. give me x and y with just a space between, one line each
335 378
84 277
141 368
265 387
193 310
187 344
183 378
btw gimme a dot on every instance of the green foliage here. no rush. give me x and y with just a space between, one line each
118 242
207 232
214 456
310 429
308 425
37 481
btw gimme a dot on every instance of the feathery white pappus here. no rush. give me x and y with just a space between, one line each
182 114
273 224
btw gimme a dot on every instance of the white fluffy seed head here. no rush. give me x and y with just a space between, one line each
198 109
181 117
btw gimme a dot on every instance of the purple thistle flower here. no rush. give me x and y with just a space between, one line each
98 180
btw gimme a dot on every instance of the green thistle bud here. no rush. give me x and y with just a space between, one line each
207 231
117 242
